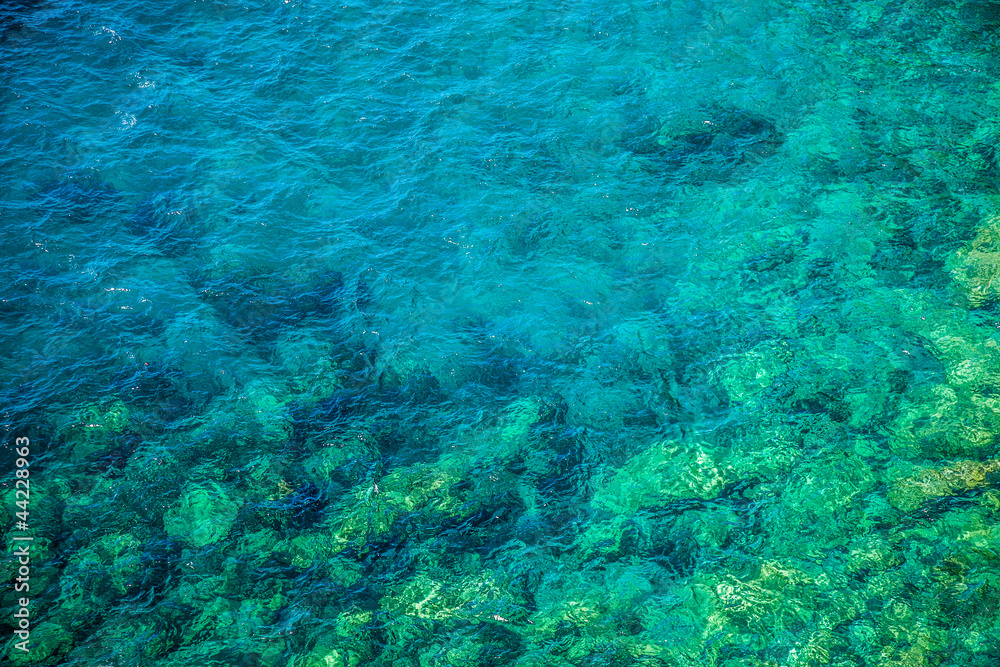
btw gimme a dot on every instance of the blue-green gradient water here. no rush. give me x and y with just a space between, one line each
421 334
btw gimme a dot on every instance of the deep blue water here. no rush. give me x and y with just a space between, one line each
420 334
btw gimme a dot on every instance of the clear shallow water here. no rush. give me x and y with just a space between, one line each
658 334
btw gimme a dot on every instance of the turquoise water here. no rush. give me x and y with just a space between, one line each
652 333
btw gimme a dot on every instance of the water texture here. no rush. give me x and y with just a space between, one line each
462 333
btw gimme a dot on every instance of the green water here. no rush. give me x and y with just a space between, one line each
652 333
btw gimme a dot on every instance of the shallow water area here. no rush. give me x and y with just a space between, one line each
658 333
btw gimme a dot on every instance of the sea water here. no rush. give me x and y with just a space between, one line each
470 333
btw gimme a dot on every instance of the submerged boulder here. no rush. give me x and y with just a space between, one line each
976 267
908 492
664 472
205 516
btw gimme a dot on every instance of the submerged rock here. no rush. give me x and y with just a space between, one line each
909 492
712 145
664 472
205 516
976 267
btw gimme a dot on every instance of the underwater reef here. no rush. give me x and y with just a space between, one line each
664 334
